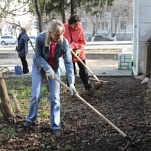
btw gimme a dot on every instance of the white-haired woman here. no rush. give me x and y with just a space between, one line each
22 49
49 48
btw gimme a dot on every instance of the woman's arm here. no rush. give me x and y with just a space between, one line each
41 52
68 62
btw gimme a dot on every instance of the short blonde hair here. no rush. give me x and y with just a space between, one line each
53 27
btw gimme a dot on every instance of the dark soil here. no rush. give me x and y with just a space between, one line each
122 100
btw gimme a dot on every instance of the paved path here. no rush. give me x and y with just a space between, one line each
99 66
106 67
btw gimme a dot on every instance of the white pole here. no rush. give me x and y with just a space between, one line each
135 37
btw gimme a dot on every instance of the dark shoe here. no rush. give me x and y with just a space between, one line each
26 71
57 132
28 124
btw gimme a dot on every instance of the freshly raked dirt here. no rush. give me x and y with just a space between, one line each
123 100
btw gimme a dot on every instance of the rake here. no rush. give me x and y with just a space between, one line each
128 138
95 77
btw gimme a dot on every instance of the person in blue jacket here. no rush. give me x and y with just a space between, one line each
22 49
50 48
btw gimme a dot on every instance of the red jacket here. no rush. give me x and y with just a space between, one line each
76 39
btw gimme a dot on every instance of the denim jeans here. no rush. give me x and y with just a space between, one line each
54 96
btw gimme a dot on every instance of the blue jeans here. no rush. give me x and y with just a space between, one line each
54 96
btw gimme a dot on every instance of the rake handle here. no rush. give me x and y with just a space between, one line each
96 111
85 66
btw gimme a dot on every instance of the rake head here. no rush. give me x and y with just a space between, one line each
130 141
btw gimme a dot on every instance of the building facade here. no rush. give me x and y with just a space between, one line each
142 32
116 19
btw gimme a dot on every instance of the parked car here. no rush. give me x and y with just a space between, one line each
6 39
100 38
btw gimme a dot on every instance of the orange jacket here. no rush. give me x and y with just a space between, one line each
76 39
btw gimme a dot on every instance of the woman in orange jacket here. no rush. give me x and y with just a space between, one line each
74 33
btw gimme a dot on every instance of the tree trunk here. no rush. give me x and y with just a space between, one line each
63 13
38 11
5 105
72 7
16 104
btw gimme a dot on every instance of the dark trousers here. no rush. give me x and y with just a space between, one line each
24 64
83 73
74 67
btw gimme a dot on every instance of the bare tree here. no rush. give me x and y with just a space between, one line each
95 17
39 14
95 20
121 9
5 105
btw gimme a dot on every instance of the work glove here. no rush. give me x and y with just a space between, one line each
50 73
72 89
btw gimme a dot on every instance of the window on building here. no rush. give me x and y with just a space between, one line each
104 25
123 25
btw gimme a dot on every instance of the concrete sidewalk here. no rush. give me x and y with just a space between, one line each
101 67
106 67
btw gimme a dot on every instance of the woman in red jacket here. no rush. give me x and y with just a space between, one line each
75 35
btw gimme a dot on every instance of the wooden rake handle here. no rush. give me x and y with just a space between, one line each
90 106
87 67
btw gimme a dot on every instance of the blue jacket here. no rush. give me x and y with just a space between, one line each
22 47
63 49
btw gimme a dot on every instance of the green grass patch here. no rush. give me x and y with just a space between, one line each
9 132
